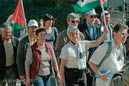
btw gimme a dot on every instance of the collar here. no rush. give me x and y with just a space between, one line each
71 43
31 40
89 26
5 41
114 45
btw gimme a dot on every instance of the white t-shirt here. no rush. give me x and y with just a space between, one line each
112 63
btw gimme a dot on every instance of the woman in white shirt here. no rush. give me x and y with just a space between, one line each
73 58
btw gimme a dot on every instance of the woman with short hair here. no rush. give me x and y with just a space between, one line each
73 58
40 60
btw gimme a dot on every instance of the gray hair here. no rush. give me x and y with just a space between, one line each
72 15
6 25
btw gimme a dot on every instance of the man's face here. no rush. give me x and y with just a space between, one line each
31 31
91 19
6 33
107 17
73 22
121 35
74 36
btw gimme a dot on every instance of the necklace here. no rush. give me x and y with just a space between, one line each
119 58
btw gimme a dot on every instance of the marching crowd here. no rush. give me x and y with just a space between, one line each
90 53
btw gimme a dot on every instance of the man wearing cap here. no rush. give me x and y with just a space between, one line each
107 20
73 58
8 51
22 48
91 31
62 39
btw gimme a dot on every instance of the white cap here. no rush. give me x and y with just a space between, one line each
32 23
104 13
91 12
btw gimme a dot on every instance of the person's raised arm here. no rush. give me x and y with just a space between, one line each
100 39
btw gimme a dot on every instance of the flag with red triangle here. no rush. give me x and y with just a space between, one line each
104 2
18 17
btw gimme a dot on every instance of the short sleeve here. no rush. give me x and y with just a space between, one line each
29 57
59 43
64 53
54 58
85 44
99 54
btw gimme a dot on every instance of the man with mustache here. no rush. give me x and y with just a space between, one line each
22 48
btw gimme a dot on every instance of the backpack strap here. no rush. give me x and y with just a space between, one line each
107 53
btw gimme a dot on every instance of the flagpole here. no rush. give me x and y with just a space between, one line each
101 4
23 13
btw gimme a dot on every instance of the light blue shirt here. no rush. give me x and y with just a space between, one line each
91 30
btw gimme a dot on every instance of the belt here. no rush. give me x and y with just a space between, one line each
8 67
74 70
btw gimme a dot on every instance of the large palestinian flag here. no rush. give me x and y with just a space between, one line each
18 17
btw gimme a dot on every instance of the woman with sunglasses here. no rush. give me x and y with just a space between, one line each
40 60
73 58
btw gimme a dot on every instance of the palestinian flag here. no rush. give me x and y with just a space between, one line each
104 3
83 6
18 17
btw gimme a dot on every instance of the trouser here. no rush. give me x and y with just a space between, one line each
23 84
75 77
10 77
89 79
42 81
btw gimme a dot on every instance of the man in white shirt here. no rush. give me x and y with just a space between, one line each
115 60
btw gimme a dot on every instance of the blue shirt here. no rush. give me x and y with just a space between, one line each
91 30
51 37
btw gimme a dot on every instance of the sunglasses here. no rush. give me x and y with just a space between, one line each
73 21
92 16
124 34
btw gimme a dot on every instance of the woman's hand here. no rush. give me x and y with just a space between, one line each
58 77
28 83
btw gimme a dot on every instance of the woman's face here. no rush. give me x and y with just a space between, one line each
41 36
48 23
74 36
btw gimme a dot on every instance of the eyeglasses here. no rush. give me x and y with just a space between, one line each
73 21
124 34
92 16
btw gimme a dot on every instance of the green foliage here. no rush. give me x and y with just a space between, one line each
36 9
